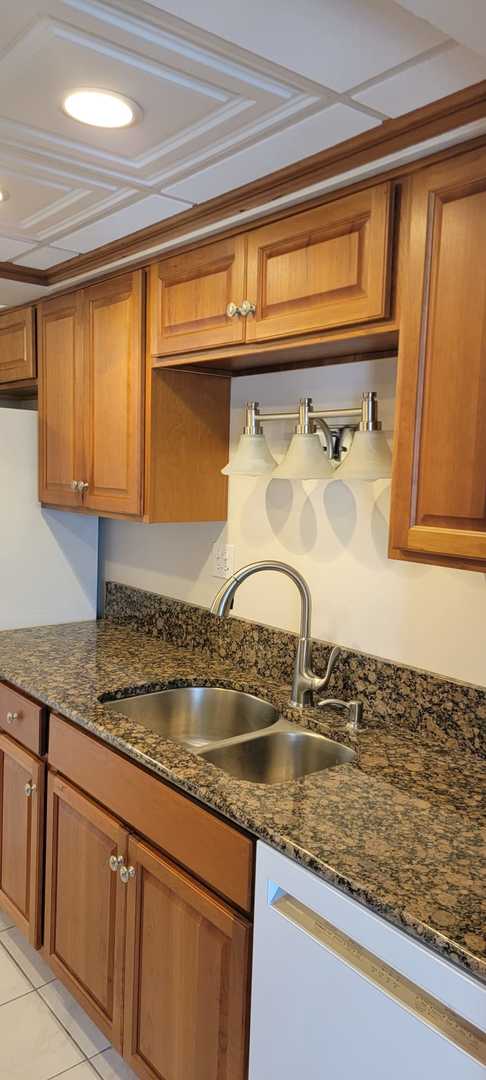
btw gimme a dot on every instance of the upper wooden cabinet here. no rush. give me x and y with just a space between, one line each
315 271
115 437
17 346
322 268
190 294
439 486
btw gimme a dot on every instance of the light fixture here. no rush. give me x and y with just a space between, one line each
306 458
100 108
4 195
369 457
252 457
350 453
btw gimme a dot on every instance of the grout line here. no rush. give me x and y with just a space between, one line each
69 1033
65 1072
15 961
18 997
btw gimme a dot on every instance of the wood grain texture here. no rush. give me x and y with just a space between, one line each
113 316
321 268
23 719
189 295
439 487
216 852
187 976
85 904
17 345
21 837
61 389
187 445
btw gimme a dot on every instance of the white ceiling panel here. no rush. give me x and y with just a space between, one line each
333 125
464 21
42 258
144 212
338 43
434 78
10 248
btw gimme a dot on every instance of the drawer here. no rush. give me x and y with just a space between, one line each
22 719
211 849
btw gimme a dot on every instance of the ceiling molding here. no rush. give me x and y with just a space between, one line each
455 111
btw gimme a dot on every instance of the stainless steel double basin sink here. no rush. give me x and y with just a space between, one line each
237 732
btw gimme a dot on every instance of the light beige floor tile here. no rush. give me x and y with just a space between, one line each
31 962
12 983
80 1072
88 1037
5 920
110 1066
33 1044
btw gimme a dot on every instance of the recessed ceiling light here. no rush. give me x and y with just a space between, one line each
3 195
101 108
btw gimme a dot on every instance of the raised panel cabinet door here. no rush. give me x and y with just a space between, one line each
439 478
186 976
113 318
17 349
189 297
21 837
322 268
85 903
61 396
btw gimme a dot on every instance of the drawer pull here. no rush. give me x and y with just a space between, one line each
12 717
30 788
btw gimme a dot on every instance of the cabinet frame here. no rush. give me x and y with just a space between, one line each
22 368
30 920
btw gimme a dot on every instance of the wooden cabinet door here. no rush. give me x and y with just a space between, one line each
85 904
189 295
21 837
321 268
61 398
186 982
439 479
113 319
17 350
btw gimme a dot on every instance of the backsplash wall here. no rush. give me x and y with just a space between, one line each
335 534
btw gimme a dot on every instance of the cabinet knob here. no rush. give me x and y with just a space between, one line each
12 717
126 873
83 486
30 788
114 862
232 310
247 308
74 485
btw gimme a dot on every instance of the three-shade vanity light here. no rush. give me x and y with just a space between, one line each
352 451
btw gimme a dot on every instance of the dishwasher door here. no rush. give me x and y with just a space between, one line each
324 1007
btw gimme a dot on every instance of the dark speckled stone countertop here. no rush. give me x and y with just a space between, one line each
400 830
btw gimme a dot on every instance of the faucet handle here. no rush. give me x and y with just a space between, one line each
331 664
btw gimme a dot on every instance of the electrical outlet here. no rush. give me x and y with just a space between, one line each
223 560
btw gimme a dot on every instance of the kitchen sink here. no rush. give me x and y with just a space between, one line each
279 756
197 715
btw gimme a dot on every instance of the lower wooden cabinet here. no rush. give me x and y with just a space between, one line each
21 836
159 962
187 970
85 904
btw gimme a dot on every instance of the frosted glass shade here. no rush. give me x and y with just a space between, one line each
252 458
305 460
369 458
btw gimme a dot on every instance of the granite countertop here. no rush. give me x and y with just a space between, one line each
400 830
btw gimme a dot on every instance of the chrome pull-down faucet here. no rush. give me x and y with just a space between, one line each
305 682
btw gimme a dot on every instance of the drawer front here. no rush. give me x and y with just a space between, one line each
22 719
214 851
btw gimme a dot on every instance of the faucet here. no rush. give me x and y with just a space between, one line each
305 681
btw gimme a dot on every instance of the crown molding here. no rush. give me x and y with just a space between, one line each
394 136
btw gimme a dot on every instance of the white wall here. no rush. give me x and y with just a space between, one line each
335 534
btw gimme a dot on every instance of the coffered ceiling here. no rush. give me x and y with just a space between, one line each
226 94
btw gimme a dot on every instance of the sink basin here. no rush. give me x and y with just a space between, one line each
197 715
279 756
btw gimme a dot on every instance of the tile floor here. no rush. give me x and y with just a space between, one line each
43 1032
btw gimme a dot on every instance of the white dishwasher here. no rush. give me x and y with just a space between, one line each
340 994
